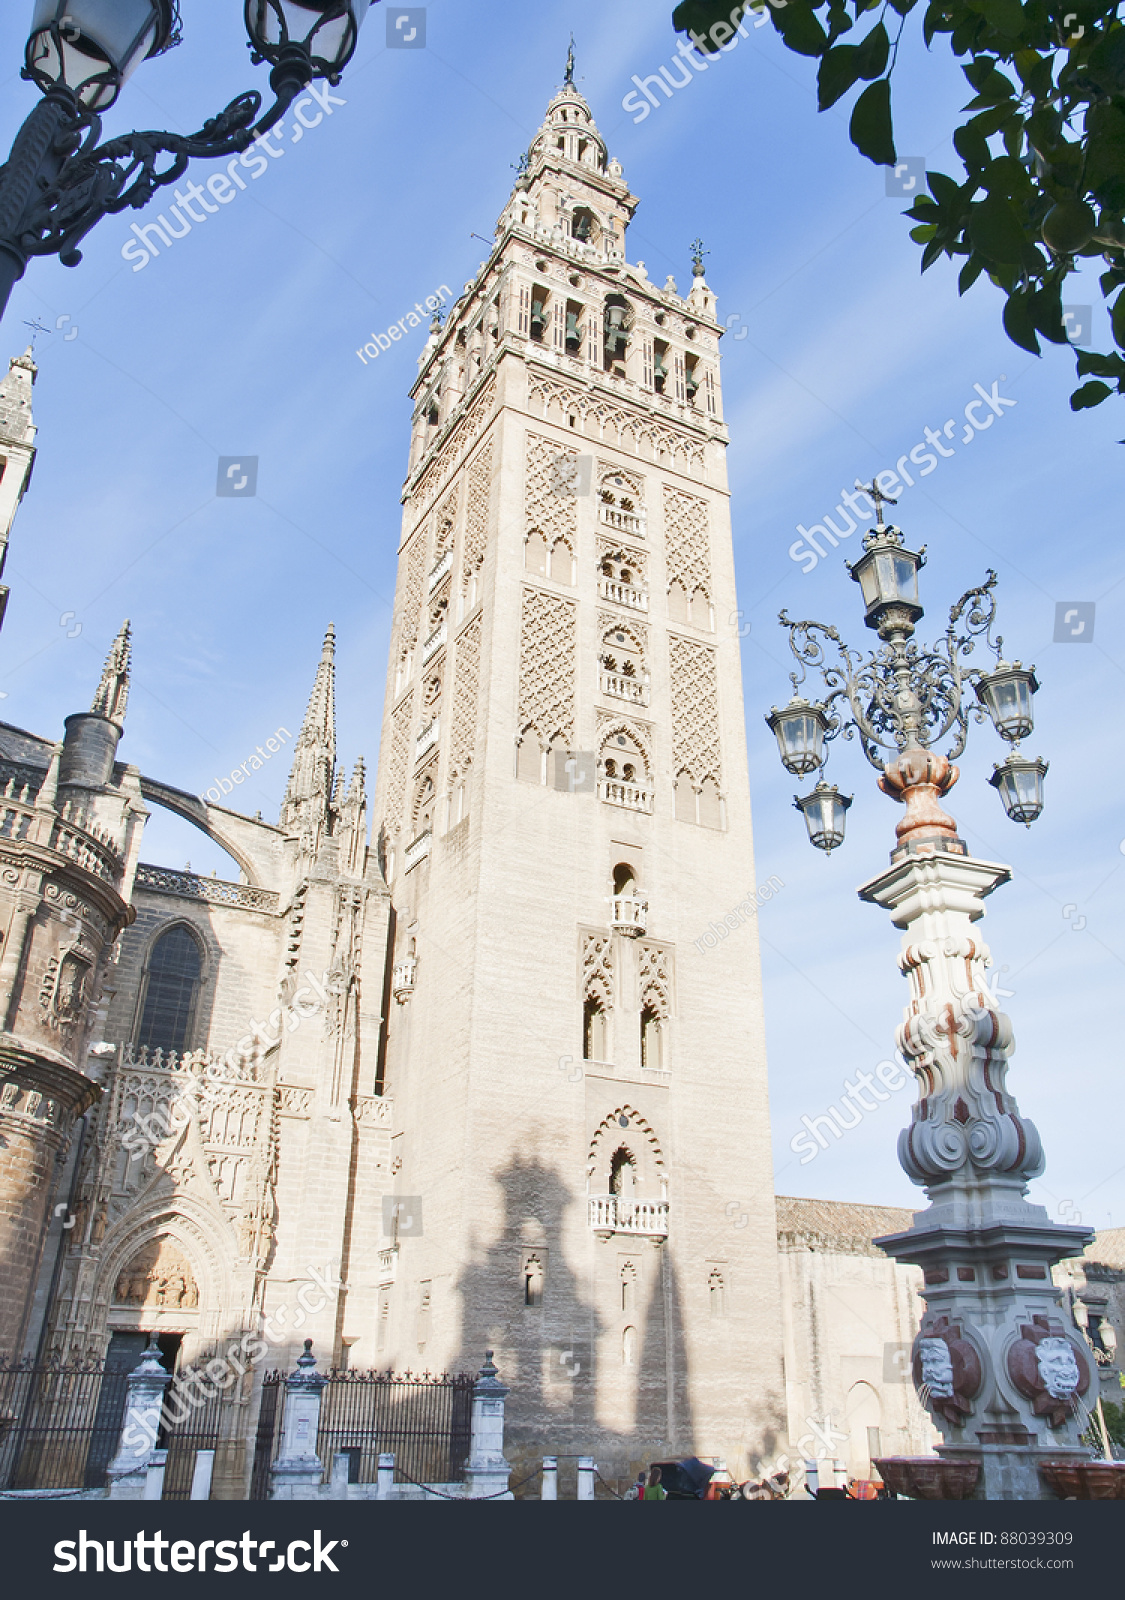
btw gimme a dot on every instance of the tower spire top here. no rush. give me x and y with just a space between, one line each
113 691
569 78
308 794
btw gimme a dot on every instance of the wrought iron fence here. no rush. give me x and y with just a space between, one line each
59 1422
424 1419
197 1427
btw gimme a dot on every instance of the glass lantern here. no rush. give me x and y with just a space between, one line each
887 574
824 812
800 729
91 47
1019 781
1006 696
325 30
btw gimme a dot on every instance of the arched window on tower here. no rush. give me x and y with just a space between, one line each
623 1173
652 1040
593 1030
174 970
535 553
717 1294
628 1287
533 1281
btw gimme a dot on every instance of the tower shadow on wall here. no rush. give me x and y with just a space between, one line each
561 1354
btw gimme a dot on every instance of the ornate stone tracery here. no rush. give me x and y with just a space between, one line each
687 542
465 695
696 747
654 977
402 718
548 636
476 516
597 969
615 425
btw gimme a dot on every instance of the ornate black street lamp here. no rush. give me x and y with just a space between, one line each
905 698
59 181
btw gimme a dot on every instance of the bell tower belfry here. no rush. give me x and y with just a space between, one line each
575 1050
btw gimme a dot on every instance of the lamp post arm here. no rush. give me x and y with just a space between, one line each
850 678
59 182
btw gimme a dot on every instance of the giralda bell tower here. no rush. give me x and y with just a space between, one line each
581 1158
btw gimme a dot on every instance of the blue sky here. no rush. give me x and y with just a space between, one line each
241 338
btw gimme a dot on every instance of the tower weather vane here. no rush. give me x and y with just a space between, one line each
697 254
569 78
36 328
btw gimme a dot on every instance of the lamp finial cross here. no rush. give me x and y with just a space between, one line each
877 497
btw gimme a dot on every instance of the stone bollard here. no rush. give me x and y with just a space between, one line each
550 1488
154 1475
202 1475
338 1477
298 1472
585 1478
140 1426
486 1471
386 1476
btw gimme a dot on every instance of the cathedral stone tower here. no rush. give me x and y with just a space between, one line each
582 1176
69 841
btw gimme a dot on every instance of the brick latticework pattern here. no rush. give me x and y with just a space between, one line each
412 593
654 974
687 544
465 693
401 720
549 491
695 711
547 645
476 517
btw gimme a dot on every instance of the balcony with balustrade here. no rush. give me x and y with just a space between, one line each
630 914
405 972
630 522
427 738
623 594
630 795
608 1214
417 850
617 686
444 565
434 643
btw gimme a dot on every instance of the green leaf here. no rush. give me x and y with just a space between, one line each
1046 314
839 69
931 253
995 230
873 52
1117 319
1090 394
972 146
923 233
800 29
1018 324
1105 154
944 190
1111 366
870 127
1006 16
970 272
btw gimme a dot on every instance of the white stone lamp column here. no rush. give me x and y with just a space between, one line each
994 1362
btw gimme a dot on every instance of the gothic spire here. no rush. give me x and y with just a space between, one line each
113 691
308 795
